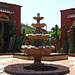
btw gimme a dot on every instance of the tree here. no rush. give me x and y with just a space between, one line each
53 29
52 33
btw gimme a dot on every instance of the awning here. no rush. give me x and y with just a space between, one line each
6 10
71 16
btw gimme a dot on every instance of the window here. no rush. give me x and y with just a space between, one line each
6 32
73 11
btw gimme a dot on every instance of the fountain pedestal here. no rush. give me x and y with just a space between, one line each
37 63
37 59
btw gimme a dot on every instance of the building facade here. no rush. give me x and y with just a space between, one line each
8 14
68 19
15 10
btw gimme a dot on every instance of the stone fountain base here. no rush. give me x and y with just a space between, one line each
51 57
27 69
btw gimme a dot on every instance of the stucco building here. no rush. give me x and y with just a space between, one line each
68 19
15 10
8 14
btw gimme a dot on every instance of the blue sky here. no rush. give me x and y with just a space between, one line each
49 9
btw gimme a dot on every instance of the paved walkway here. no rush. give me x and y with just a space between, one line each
8 60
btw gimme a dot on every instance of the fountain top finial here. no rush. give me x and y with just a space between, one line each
38 14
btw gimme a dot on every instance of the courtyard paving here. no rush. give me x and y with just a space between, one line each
8 60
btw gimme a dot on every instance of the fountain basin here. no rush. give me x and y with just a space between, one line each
38 25
38 18
26 69
37 51
38 36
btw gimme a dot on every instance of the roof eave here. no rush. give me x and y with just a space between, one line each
10 4
67 9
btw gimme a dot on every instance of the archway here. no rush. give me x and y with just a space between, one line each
5 25
4 17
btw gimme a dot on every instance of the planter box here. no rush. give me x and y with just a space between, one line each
6 53
72 54
51 57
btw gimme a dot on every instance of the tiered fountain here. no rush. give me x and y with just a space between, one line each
37 51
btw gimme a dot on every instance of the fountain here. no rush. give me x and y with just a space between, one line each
37 51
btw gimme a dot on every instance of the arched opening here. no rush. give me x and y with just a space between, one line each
73 25
4 17
5 23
